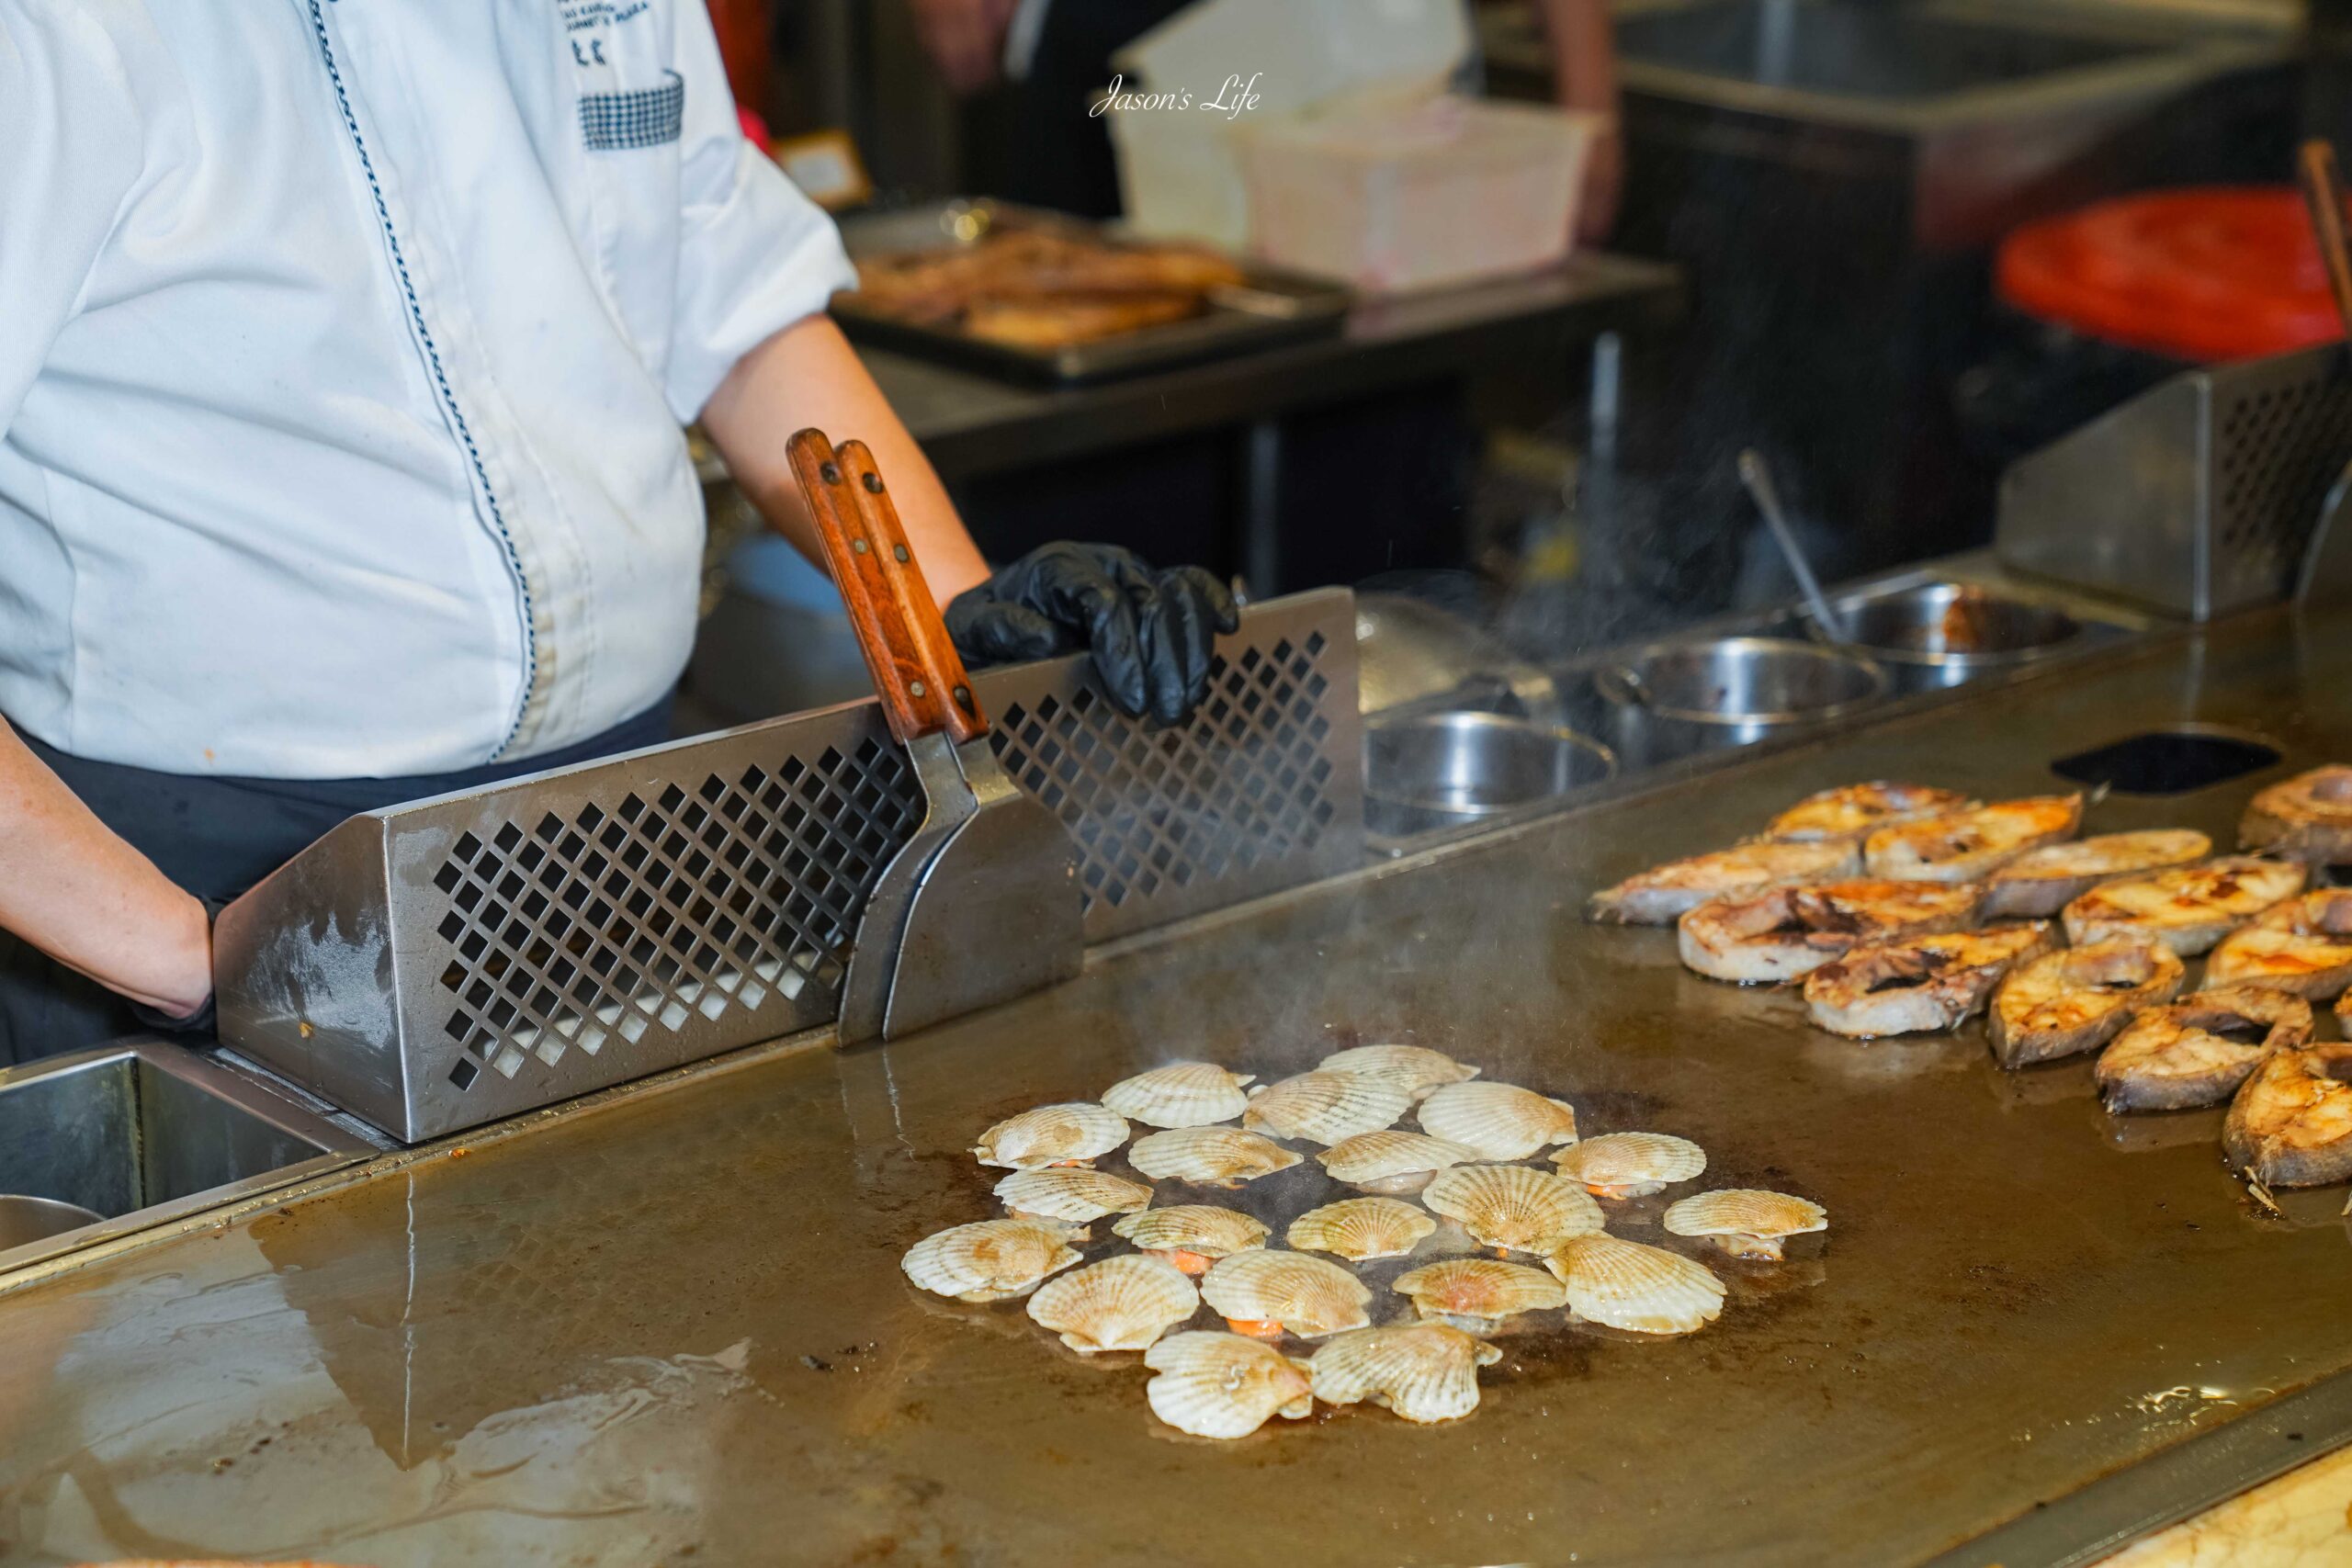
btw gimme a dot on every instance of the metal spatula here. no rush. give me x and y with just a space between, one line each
982 905
2326 573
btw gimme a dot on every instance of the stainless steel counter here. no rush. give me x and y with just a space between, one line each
667 1324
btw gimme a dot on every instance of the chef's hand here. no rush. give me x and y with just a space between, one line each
1152 633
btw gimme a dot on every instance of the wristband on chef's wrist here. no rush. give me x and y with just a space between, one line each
200 1022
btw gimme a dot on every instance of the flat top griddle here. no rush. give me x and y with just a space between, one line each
675 1318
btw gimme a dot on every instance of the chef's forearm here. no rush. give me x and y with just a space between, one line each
81 895
1584 53
808 374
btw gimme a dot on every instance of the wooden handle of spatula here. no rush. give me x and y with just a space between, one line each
2324 196
916 669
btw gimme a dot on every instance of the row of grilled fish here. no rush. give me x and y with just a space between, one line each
1898 953
1224 1385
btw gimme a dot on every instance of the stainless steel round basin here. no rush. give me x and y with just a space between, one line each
25 1220
1433 769
1953 625
1743 681
1672 699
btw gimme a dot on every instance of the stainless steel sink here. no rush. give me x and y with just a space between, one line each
145 1132
1859 50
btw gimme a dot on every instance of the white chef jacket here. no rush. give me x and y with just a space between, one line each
343 348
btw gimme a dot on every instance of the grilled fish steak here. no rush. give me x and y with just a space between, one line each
2188 910
1852 812
1036 288
2196 1051
1968 846
2078 999
2291 1123
1073 318
1922 983
1664 894
2303 945
2041 882
2307 818
1789 932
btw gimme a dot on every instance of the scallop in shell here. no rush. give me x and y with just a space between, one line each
1511 1205
1223 1385
1422 1371
1209 1156
1190 1235
1416 1069
1183 1094
1498 1119
1627 1285
1120 1304
1392 1161
1074 1193
1070 1134
1359 1229
1631 1165
1476 1293
1326 1108
1745 1222
1260 1292
992 1260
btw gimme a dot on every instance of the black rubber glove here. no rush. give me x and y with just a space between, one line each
1152 633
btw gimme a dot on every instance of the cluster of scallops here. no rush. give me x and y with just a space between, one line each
1422 1363
1875 898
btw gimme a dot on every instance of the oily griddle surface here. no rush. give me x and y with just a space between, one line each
677 1321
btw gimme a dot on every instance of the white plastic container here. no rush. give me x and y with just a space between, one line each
1305 54
1180 178
1390 198
1180 171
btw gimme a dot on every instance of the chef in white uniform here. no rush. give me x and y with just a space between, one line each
344 346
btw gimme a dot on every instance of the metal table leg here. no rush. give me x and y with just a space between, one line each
1259 550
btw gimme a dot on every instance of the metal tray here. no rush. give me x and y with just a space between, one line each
1275 307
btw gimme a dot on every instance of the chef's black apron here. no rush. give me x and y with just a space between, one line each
217 836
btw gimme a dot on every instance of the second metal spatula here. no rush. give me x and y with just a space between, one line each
2326 573
982 905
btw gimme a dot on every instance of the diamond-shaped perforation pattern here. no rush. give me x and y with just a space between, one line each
1243 790
614 921
2276 452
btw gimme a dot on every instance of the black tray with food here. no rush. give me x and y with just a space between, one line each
1042 298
